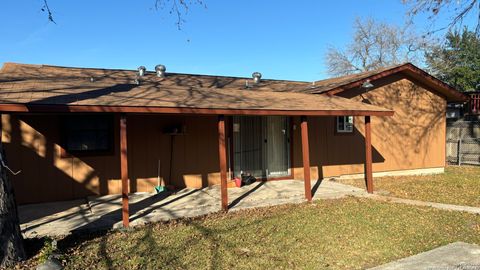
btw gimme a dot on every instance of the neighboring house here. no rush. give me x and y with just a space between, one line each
463 131
66 128
469 110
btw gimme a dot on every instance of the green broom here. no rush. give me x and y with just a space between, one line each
159 188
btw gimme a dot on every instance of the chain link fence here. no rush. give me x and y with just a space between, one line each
463 142
463 151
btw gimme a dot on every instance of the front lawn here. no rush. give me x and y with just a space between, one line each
350 233
458 185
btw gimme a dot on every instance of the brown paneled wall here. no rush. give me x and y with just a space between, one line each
188 159
33 145
413 138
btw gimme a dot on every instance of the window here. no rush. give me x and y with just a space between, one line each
88 134
344 124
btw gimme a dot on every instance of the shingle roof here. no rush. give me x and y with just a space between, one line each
334 83
407 70
50 85
46 72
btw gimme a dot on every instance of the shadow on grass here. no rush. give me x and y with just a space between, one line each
144 248
104 253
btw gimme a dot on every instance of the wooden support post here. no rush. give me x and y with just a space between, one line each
368 155
1 128
306 159
124 169
222 153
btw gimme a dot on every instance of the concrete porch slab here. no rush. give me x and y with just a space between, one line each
104 212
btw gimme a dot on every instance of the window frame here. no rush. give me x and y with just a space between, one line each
344 132
64 133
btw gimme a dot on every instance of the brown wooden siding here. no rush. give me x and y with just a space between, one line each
413 138
32 143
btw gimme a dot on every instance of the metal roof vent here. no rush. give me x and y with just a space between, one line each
141 71
256 77
160 69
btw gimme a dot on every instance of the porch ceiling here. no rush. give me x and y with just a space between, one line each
36 88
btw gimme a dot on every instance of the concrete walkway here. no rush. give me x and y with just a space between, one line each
95 213
443 206
457 255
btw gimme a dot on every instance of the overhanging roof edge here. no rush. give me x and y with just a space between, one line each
39 108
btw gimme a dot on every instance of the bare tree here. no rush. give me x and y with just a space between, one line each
375 45
458 10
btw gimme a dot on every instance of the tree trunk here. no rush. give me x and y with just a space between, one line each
11 241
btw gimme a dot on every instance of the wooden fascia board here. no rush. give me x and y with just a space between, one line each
359 82
436 83
40 108
404 68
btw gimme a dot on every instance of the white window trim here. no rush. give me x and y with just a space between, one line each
344 129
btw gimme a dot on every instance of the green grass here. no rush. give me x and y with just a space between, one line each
349 233
458 185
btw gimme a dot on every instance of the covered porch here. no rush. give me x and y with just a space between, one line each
104 212
133 205
225 198
124 94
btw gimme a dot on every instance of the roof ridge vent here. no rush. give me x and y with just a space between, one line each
256 77
141 71
160 70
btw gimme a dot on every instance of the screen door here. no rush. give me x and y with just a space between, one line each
261 146
277 144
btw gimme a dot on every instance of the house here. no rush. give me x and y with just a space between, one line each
75 132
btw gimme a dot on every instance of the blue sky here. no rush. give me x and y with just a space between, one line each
281 39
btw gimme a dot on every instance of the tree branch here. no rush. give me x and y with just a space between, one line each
46 8
178 7
435 7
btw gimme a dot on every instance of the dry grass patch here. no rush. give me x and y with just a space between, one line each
349 233
458 185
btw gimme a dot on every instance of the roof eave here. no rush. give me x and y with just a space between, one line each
41 108
450 93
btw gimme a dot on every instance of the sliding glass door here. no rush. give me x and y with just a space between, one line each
248 146
261 146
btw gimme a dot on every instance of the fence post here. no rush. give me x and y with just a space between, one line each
459 152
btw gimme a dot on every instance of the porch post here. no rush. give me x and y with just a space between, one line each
222 153
306 159
1 128
368 155
124 169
